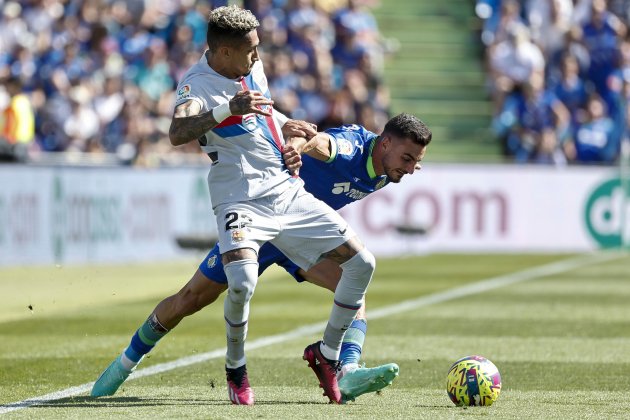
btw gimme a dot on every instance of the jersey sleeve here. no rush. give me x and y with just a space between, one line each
188 90
282 119
348 143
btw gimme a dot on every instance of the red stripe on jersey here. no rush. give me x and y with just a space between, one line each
234 119
270 123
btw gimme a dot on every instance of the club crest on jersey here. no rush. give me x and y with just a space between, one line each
249 122
212 261
183 92
344 147
238 235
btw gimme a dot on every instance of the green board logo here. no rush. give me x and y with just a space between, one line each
607 214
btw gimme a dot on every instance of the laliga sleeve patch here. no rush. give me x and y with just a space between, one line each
344 147
183 92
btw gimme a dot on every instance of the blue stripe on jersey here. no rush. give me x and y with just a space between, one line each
261 121
230 130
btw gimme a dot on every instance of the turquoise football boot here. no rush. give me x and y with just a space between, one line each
363 380
110 380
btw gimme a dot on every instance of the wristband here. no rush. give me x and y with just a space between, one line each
221 112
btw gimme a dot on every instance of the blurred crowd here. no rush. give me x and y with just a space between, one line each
97 77
559 77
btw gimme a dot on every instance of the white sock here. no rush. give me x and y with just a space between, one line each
348 367
128 363
329 353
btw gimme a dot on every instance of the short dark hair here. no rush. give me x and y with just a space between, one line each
408 126
229 24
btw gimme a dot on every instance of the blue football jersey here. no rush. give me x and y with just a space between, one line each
349 174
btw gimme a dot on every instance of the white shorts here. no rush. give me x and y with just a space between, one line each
298 224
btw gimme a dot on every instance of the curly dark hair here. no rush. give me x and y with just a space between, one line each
409 126
228 25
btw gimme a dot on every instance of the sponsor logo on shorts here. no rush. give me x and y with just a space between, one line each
212 261
344 147
183 92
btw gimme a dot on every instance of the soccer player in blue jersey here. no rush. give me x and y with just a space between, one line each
343 165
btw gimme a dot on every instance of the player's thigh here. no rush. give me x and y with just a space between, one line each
244 226
311 229
325 273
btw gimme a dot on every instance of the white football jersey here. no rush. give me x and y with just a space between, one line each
246 148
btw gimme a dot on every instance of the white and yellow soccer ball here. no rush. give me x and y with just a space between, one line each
473 380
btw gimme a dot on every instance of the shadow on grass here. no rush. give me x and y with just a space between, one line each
102 402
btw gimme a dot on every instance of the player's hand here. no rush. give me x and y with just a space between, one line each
250 102
299 128
292 158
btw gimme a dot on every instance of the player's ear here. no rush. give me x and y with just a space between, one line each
224 51
386 142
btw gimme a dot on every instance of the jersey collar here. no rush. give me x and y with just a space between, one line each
370 163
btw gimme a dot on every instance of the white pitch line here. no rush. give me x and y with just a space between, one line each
407 305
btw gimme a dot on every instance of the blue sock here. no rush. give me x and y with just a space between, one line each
145 338
353 342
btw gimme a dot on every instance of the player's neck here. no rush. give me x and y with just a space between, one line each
219 67
377 157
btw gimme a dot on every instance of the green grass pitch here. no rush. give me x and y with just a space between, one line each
559 335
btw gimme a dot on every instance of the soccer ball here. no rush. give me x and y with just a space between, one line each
473 380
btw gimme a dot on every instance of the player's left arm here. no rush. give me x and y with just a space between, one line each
318 147
295 128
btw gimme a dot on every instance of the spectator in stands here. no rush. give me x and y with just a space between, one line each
601 35
594 139
513 62
549 22
571 89
17 121
82 124
542 127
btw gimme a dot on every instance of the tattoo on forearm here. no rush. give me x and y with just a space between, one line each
186 127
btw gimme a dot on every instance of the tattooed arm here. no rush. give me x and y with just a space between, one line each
189 123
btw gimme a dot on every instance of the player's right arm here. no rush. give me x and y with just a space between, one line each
189 123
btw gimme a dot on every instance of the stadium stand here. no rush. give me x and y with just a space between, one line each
558 78
497 80
95 79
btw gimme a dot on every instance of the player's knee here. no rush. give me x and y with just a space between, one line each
242 276
241 293
361 266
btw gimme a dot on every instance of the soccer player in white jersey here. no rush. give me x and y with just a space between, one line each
223 101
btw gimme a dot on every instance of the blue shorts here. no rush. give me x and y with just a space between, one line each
212 267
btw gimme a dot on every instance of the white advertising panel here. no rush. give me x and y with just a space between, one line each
495 208
79 215
87 215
